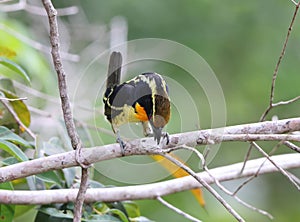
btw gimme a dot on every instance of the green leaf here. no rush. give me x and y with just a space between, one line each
53 146
103 218
23 209
119 206
13 150
7 52
96 184
120 214
69 175
35 183
132 209
6 186
8 135
15 67
8 91
7 211
53 212
9 161
42 217
50 177
7 85
101 207
7 118
19 107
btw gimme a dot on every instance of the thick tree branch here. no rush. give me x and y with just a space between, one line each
147 146
154 190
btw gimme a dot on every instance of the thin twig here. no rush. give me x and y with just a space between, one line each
258 169
271 104
206 185
246 158
278 167
66 107
186 215
200 156
247 180
11 100
292 146
295 3
296 179
278 64
286 102
233 194
16 117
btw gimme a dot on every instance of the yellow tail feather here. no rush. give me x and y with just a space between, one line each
177 173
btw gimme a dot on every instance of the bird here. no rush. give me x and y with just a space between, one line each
144 98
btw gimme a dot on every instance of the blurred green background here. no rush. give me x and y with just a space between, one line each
240 40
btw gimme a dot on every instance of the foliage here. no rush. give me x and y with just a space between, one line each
241 41
7 211
119 211
13 142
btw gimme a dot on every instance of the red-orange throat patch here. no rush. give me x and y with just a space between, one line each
140 112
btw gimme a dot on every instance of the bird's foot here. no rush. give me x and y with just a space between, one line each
122 145
166 136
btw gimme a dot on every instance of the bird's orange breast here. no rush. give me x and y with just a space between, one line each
140 113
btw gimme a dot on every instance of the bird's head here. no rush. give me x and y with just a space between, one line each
160 117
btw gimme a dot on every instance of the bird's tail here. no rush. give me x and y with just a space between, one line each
114 69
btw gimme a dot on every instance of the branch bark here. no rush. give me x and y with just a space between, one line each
154 190
66 107
61 75
146 146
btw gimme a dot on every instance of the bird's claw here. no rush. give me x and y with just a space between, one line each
122 145
166 136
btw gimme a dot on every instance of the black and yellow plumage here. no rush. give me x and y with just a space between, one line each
142 99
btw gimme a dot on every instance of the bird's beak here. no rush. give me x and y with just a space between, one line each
157 131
